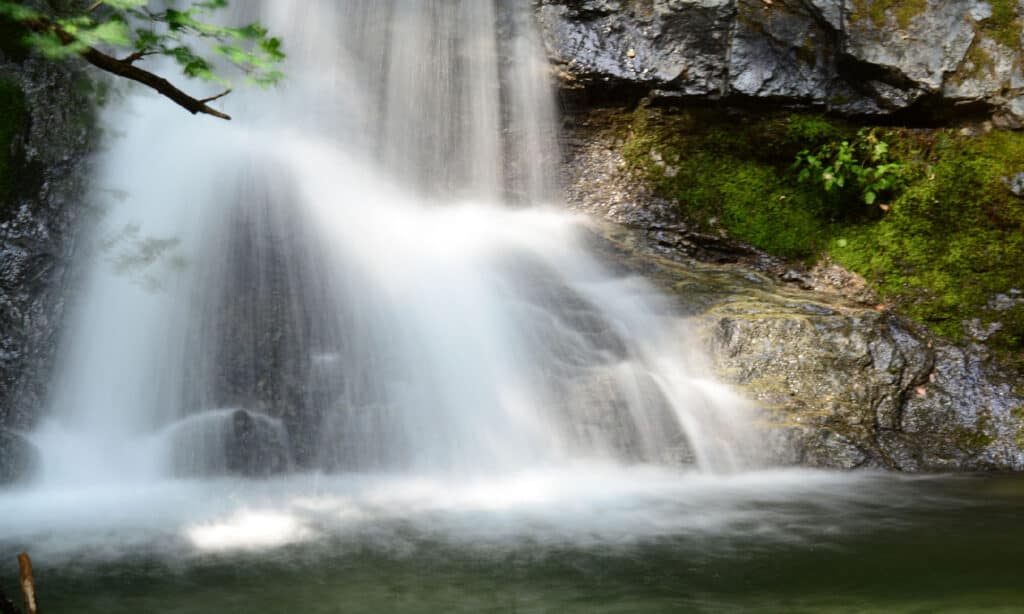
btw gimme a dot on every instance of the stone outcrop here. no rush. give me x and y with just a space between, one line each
922 59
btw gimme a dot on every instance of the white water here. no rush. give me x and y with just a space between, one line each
372 262
572 504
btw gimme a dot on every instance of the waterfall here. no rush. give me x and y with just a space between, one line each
368 271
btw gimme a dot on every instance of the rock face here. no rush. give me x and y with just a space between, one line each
46 172
924 59
839 385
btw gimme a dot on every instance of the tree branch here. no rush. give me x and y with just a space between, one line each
126 68
135 57
218 96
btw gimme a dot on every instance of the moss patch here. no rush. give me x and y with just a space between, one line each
878 10
1004 26
733 175
939 250
953 239
13 115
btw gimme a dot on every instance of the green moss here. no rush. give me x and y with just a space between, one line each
1004 26
977 63
13 115
878 10
1018 417
727 176
950 239
971 440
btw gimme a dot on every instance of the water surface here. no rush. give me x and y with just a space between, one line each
604 540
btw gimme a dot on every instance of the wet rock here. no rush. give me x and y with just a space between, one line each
50 169
1006 302
838 384
941 59
980 331
255 446
1015 184
19 458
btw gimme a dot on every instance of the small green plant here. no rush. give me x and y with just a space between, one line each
859 168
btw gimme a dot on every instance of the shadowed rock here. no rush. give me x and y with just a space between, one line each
255 447
19 458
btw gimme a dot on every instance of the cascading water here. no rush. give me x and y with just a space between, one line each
366 274
342 271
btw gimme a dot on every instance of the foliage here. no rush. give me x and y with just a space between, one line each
861 166
187 34
953 239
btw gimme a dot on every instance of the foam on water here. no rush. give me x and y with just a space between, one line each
578 505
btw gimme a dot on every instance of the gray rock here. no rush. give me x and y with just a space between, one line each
937 58
1015 184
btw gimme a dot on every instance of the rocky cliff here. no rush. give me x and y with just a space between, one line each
919 60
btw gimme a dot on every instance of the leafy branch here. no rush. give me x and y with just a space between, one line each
99 32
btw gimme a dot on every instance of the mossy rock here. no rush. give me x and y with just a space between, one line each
879 11
1004 26
938 247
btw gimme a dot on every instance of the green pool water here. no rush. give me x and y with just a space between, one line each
835 544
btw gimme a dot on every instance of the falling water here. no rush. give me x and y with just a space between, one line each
367 273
